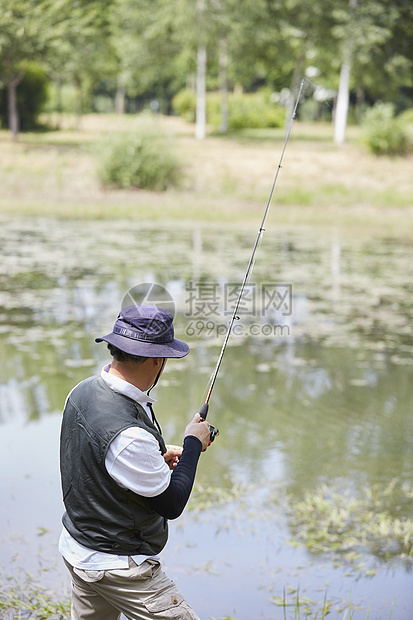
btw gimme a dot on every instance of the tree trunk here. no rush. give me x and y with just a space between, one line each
343 98
13 112
59 103
79 103
223 86
200 122
360 103
200 129
120 98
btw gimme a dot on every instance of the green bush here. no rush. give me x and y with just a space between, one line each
384 133
184 104
406 119
245 110
143 159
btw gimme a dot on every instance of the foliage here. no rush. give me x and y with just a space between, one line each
29 600
32 96
148 45
148 50
142 159
24 34
245 110
384 133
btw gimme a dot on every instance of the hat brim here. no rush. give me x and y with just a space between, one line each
176 348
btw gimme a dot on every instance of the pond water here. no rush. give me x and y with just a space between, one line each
307 494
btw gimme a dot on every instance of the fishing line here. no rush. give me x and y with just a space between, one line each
204 408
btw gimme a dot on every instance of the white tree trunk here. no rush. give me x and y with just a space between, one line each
200 129
223 87
340 121
343 97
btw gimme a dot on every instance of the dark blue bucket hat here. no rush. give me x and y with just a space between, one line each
146 331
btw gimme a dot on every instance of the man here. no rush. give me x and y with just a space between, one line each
120 482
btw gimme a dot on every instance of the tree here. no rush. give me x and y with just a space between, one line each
24 37
82 52
147 48
364 30
42 30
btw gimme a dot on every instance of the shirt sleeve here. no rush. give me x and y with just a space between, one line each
135 462
174 498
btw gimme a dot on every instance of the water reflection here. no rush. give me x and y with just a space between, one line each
326 402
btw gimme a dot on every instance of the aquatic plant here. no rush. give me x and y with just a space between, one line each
330 521
26 598
298 605
206 497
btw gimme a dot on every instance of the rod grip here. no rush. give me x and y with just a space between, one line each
203 412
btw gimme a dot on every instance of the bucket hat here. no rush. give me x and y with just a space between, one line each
146 331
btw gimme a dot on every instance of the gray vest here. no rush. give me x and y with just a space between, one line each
99 513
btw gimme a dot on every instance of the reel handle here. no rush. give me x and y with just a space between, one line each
203 412
213 432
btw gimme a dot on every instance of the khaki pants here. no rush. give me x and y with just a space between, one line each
141 592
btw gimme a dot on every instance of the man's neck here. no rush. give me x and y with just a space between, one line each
130 377
141 376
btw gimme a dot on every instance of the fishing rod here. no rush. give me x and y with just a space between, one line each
203 412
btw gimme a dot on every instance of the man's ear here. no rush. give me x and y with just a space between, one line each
162 361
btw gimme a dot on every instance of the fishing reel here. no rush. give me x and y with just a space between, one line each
213 432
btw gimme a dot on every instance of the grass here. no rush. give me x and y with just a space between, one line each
303 608
27 599
226 179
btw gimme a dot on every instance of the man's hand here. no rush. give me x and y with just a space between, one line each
172 455
199 428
